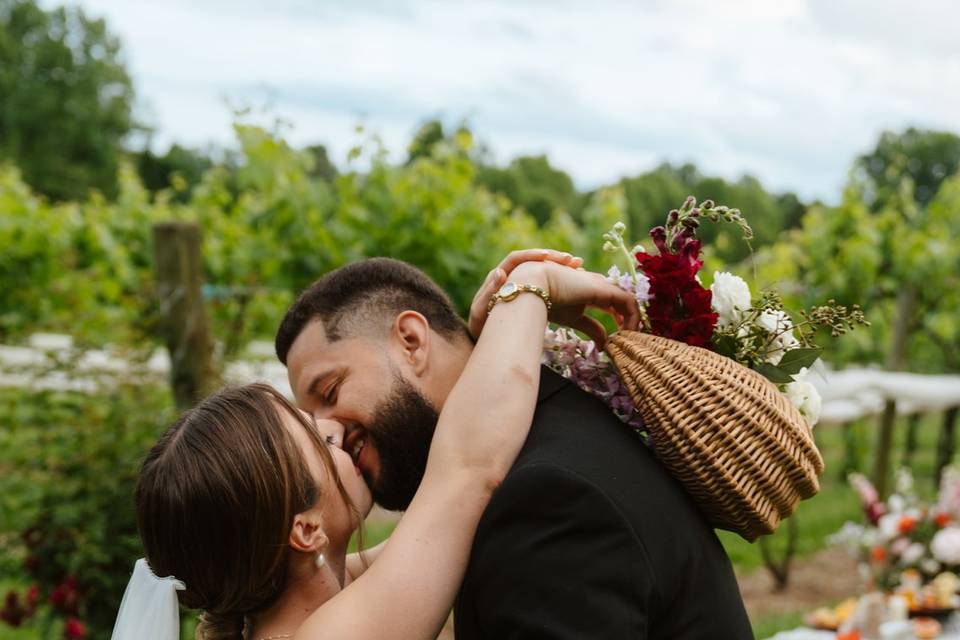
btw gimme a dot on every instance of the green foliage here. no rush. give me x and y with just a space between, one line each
859 254
179 169
323 166
74 266
532 183
425 139
66 99
652 194
68 464
270 228
926 157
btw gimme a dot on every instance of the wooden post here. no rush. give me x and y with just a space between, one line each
896 358
910 446
183 318
947 442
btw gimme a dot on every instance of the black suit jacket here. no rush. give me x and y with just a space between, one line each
590 537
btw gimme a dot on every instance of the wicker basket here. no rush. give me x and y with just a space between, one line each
738 445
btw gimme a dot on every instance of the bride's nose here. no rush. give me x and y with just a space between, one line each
332 431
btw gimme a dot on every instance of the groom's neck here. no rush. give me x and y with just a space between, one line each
451 362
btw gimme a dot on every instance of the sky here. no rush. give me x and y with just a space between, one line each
790 91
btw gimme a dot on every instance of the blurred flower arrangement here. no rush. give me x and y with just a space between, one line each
674 304
905 539
65 600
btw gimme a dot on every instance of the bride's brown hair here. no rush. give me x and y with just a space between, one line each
216 500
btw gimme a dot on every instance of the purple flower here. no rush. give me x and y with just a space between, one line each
589 368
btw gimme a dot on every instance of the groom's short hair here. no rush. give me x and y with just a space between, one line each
367 295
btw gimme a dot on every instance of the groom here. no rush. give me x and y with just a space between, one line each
587 537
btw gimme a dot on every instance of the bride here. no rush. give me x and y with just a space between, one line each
246 506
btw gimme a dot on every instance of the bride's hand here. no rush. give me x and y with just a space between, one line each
496 278
572 291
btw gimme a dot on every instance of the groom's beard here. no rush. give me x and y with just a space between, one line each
401 430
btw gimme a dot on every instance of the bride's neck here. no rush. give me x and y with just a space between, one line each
307 588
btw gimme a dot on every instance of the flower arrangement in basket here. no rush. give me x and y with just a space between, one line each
908 545
717 378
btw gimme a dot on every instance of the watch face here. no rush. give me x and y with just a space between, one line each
507 289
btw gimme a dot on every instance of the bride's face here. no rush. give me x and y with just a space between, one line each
337 515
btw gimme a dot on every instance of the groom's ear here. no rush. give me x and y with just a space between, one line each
307 533
411 331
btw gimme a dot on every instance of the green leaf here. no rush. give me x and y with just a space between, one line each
773 373
796 359
726 345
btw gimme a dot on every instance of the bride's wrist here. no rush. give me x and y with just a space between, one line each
532 273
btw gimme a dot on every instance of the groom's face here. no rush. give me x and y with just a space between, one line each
388 422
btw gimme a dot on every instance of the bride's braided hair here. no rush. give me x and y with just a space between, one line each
216 500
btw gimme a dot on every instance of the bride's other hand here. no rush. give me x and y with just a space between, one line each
496 278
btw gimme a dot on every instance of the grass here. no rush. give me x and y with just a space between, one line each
773 624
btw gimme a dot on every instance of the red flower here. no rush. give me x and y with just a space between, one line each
74 630
12 613
875 511
64 596
680 308
33 599
906 525
942 519
878 554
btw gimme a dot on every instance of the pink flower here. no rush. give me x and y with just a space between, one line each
869 498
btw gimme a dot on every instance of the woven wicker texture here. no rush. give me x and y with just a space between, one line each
739 446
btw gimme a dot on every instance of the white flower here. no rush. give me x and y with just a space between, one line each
805 397
896 504
913 554
777 323
930 566
945 546
904 481
731 297
850 534
889 526
899 546
640 289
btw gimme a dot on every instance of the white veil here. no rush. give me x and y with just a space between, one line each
149 610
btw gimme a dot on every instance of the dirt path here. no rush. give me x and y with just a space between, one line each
824 578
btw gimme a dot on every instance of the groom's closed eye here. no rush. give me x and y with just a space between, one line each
329 396
324 387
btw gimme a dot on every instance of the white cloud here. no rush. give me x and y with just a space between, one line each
789 91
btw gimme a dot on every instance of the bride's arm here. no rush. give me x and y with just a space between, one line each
407 593
359 562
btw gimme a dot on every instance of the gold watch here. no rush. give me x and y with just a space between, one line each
510 290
